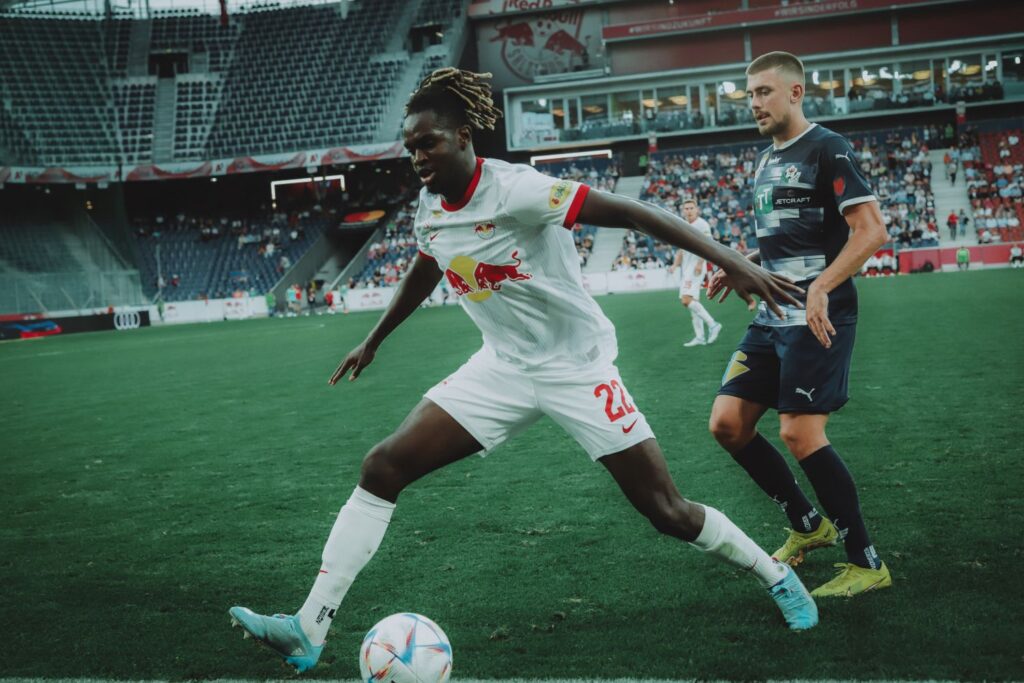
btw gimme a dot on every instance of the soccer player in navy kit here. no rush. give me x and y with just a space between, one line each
817 223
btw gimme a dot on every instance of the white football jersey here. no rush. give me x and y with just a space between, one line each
507 252
690 261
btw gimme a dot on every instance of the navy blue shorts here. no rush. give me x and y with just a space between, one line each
788 369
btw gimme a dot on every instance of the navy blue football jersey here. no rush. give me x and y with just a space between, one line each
800 192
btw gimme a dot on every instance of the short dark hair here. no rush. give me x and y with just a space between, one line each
463 98
783 61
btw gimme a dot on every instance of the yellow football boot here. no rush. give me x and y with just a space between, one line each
853 580
798 544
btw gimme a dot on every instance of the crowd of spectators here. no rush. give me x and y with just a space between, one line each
204 257
896 164
389 258
994 171
722 182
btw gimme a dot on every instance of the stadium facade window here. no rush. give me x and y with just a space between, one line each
916 82
626 107
595 108
823 87
1012 74
733 108
966 73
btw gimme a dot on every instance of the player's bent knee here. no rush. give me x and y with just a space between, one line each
801 442
677 518
381 473
729 431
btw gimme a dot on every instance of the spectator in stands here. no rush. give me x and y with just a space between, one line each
951 172
951 222
1016 256
963 258
963 221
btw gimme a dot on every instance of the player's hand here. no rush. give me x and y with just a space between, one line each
718 282
749 280
357 359
672 268
817 316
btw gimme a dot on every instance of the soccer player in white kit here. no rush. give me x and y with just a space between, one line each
692 270
498 233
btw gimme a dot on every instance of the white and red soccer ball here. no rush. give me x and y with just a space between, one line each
405 648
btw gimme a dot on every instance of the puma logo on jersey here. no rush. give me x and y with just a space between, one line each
844 155
810 398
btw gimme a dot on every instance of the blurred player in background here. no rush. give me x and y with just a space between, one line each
809 194
500 235
692 269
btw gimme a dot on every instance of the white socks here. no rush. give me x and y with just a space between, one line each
354 539
697 310
698 326
723 539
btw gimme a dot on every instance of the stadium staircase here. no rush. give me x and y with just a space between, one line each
163 123
608 241
949 197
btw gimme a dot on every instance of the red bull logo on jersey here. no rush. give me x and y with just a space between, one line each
484 231
477 280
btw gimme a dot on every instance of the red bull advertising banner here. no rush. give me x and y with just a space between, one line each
517 49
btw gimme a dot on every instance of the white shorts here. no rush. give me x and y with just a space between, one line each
493 401
691 286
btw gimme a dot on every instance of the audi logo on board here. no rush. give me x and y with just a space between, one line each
128 320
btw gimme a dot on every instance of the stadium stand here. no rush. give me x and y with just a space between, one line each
994 169
335 90
59 93
190 30
720 178
195 107
134 101
203 257
54 258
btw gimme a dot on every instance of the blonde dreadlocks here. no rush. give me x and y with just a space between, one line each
464 96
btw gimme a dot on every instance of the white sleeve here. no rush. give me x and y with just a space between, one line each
538 199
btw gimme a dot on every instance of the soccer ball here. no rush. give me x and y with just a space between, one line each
405 648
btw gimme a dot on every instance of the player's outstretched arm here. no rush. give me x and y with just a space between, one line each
868 234
748 279
416 286
719 282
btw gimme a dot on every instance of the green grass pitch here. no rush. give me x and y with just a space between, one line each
152 479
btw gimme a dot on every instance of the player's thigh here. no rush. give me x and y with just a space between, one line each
813 379
428 439
595 408
689 291
489 398
752 373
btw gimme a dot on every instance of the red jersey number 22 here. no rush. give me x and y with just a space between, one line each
613 411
